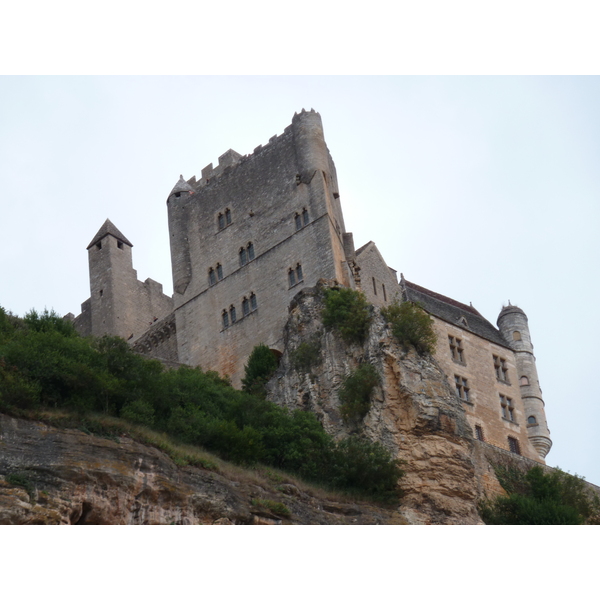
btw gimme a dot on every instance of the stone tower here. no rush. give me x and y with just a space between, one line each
111 268
512 322
119 304
246 237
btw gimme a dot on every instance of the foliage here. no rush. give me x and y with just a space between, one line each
21 480
539 498
355 393
307 355
411 326
44 364
261 365
277 508
368 467
347 311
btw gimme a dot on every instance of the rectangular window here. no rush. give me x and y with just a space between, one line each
513 445
305 216
299 276
221 220
374 286
384 294
292 277
501 369
250 251
232 313
212 278
219 272
243 256
228 216
508 411
253 302
456 349
245 306
225 319
462 388
298 219
479 433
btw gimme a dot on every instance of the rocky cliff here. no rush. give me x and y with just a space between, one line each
414 411
55 476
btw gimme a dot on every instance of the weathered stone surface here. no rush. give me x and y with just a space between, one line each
414 412
77 478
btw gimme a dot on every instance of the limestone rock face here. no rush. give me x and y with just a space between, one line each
414 411
75 478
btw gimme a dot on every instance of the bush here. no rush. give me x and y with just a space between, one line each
359 464
355 393
538 498
260 367
306 356
411 326
347 311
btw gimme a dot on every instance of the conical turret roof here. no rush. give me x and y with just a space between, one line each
182 186
109 229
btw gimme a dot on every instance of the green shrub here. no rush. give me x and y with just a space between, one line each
258 370
347 311
539 498
277 508
355 393
21 480
367 467
411 326
139 411
307 355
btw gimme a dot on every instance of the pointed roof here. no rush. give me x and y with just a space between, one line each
182 186
109 229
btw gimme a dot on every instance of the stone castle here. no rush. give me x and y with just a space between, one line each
252 232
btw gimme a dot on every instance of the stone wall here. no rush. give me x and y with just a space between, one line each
280 206
483 407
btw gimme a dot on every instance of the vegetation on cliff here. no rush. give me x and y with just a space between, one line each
349 312
539 498
45 363
411 326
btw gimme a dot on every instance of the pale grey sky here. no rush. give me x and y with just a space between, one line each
485 189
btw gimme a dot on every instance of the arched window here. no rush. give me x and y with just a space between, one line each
524 380
245 306
298 220
305 217
250 251
253 303
517 336
227 216
225 319
531 420
221 220
292 277
299 276
212 278
232 313
243 256
219 271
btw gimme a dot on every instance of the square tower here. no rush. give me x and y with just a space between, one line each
246 238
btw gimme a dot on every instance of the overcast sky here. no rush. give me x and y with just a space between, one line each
484 189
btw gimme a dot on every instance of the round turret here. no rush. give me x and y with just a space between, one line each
512 322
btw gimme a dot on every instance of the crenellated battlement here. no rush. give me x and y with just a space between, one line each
231 158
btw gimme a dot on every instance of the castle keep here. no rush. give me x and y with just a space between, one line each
252 232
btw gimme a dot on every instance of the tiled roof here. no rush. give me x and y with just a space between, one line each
108 229
451 311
